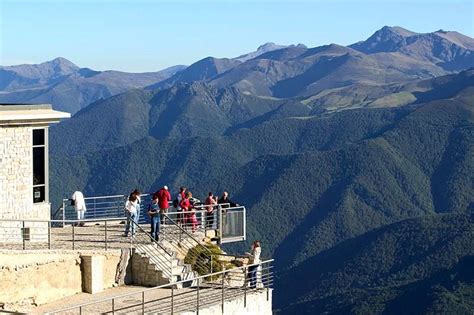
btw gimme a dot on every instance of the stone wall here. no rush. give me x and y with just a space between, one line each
29 278
16 184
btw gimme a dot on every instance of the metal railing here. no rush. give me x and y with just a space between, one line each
101 207
165 299
228 222
41 234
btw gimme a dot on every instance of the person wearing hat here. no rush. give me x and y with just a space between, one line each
164 199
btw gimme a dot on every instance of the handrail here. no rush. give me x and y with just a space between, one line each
187 233
151 238
96 197
60 208
73 221
161 286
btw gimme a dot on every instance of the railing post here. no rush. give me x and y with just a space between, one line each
245 286
23 233
143 302
64 213
267 271
172 300
73 236
49 234
197 297
223 291
245 223
220 225
105 225
113 306
80 310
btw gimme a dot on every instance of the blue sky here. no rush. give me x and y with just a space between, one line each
140 36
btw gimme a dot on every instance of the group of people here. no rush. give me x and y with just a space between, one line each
184 204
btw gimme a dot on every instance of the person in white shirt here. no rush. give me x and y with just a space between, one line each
131 210
254 261
79 205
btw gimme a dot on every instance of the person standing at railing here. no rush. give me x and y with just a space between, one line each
164 201
210 202
254 260
77 200
137 194
225 203
154 213
131 208
189 212
177 202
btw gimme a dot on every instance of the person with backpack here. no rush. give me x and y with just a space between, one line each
164 199
153 212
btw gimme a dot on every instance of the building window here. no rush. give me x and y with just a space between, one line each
39 165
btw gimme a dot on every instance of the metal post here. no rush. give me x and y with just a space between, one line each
23 233
49 234
220 225
143 302
211 266
80 310
64 213
222 295
267 271
113 306
197 298
172 300
73 236
106 245
245 287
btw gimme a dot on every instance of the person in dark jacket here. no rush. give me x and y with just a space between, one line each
225 202
153 212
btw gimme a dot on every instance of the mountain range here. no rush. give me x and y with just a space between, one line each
68 87
356 164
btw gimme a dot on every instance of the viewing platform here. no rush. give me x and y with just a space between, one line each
181 273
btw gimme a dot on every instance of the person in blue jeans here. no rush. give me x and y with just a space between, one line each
131 211
154 213
137 193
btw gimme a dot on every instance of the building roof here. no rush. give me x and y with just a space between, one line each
28 114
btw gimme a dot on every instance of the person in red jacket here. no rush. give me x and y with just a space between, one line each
189 212
164 198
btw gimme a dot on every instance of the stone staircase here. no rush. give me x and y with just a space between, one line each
151 264
147 269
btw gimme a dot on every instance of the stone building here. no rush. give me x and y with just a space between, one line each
24 176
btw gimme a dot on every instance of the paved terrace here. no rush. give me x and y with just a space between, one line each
92 236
